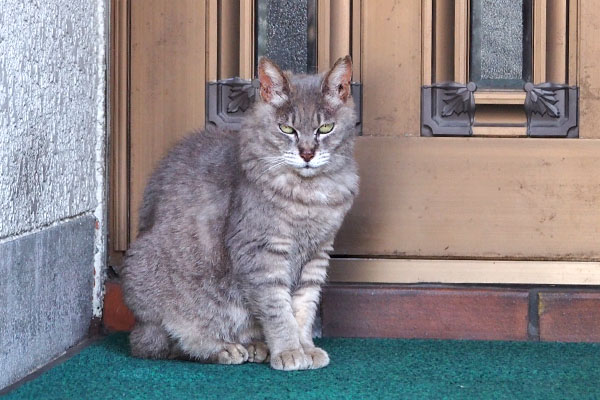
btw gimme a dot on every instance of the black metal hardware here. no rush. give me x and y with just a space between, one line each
227 101
552 110
448 109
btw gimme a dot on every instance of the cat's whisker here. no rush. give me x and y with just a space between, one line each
270 161
273 166
269 158
270 165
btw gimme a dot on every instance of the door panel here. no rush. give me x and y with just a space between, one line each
493 198
588 71
391 67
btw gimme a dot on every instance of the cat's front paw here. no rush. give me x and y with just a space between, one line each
258 352
290 360
319 357
232 353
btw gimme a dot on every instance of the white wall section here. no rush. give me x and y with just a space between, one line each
50 76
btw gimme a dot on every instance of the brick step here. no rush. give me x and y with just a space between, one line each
437 312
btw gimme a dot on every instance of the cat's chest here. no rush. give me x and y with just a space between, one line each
310 226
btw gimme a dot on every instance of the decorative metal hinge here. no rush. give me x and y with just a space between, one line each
552 110
228 100
448 109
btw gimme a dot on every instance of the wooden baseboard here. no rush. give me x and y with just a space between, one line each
492 272
436 311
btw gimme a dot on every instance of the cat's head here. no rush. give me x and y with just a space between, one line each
304 123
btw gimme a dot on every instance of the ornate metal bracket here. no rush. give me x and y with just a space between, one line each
552 110
229 99
448 109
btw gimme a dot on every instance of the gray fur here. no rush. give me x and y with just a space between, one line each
235 232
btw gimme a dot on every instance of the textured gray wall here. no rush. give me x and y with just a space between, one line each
52 134
46 295
48 100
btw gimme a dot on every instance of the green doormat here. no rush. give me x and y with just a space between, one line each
360 369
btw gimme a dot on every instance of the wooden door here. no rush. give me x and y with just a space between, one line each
496 207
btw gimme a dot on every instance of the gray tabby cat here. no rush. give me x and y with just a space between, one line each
235 228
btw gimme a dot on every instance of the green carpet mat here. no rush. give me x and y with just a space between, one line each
359 369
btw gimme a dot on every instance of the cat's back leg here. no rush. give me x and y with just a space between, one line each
149 340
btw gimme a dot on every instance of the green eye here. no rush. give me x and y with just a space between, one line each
325 128
287 129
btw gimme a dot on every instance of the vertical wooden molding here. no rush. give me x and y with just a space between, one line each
212 40
247 39
426 41
323 34
539 41
391 67
119 129
229 43
461 40
556 35
356 39
443 41
573 62
340 29
587 73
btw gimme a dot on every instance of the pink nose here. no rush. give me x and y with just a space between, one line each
307 155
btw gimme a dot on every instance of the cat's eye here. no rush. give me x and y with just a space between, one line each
325 128
286 129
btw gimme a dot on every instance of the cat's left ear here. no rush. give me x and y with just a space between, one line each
336 84
274 85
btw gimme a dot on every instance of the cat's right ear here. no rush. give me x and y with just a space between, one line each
274 85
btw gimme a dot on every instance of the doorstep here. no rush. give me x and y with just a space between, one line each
562 314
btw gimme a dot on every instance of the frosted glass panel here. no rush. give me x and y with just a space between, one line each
500 43
286 33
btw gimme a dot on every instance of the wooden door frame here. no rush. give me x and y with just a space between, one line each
119 130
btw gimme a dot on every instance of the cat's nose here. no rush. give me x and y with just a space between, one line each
307 155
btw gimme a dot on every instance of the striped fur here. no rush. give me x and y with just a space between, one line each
235 229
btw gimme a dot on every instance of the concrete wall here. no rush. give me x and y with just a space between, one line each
52 145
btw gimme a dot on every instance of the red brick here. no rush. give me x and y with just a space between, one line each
397 311
116 316
569 316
